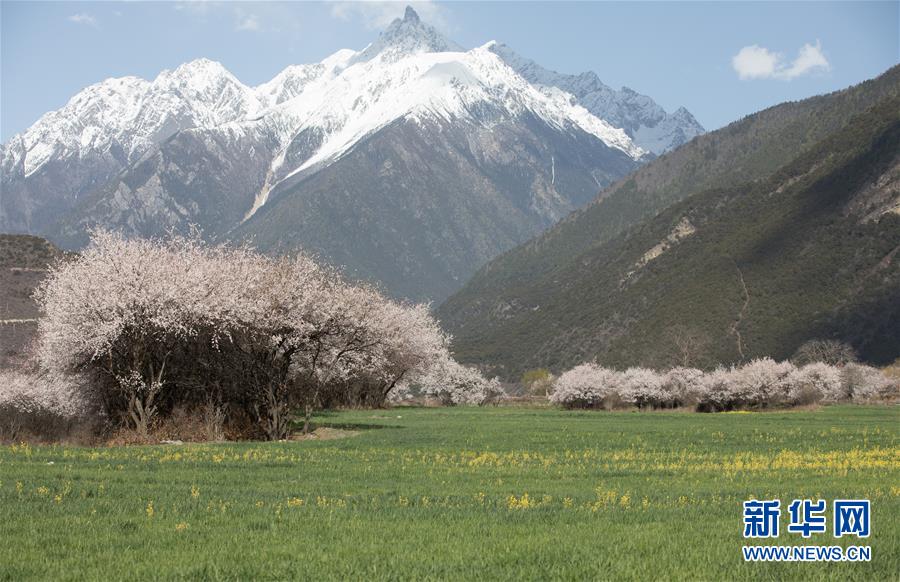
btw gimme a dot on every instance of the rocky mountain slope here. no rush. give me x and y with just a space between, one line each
777 229
24 261
645 122
290 162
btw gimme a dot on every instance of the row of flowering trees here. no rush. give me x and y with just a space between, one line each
133 329
759 384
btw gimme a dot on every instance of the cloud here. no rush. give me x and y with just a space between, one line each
269 17
808 60
377 14
84 18
249 22
198 8
756 62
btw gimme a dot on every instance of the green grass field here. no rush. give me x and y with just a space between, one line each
466 493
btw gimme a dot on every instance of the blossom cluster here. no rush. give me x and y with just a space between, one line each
35 394
453 383
760 383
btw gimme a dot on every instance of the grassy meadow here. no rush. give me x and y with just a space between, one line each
455 493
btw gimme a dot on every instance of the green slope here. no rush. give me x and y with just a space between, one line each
812 242
747 150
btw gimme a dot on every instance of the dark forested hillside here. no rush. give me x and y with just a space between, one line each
747 150
735 271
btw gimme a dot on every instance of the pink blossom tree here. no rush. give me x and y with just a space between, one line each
587 386
158 324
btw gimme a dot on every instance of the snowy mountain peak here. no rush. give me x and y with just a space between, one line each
288 84
404 37
202 66
641 117
198 76
132 115
684 115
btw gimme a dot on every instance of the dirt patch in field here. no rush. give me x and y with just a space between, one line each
325 433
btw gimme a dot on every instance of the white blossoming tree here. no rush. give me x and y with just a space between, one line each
160 324
643 388
587 386
453 383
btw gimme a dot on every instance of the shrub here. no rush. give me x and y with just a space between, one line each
819 381
866 384
587 386
453 383
893 371
683 386
38 405
760 383
643 388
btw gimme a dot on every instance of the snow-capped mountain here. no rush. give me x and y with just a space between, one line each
645 122
135 114
71 153
404 81
196 146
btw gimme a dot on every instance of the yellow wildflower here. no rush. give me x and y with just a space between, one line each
524 502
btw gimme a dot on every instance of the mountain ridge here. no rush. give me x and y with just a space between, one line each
648 124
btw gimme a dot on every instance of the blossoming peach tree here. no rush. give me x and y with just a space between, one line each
141 327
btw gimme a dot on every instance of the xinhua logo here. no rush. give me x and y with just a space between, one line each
806 518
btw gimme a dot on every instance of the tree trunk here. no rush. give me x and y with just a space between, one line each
306 417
